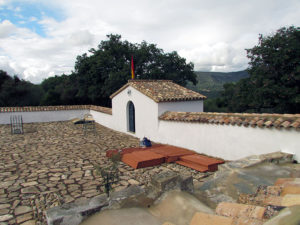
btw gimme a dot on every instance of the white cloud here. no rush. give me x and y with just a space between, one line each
6 29
83 37
211 34
4 2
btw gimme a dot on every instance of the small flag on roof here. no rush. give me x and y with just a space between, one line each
132 68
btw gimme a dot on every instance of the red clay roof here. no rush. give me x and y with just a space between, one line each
240 119
162 90
101 109
55 108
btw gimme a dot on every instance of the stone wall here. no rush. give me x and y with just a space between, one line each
38 114
230 136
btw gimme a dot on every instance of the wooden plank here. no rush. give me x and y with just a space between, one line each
165 153
171 153
123 151
142 159
194 166
201 159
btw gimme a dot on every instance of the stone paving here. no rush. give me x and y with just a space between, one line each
53 163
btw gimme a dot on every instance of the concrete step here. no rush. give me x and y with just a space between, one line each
240 210
194 166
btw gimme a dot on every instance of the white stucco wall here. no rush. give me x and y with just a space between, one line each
180 106
146 113
44 116
227 141
102 118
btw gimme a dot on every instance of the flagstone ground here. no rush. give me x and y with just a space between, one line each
53 163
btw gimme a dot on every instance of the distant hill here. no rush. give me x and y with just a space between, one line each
211 83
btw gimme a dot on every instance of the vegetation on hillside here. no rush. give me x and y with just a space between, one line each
211 84
16 92
270 84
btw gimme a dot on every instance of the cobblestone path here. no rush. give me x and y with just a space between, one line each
53 163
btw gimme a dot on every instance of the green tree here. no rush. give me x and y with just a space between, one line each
16 92
106 69
274 82
59 90
3 77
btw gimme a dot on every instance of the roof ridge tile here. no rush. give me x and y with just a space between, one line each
162 90
286 121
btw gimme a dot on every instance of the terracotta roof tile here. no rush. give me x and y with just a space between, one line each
162 90
295 124
260 123
279 121
55 108
268 123
101 109
286 124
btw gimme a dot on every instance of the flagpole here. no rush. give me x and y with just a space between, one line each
132 69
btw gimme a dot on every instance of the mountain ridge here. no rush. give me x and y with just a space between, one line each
211 84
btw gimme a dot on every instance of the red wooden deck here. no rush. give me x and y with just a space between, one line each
157 154
123 151
142 159
194 166
209 163
171 153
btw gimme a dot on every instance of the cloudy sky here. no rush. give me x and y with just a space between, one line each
41 38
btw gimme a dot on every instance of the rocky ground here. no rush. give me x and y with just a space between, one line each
244 177
53 163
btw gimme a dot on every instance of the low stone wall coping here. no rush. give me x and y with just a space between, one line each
55 108
262 120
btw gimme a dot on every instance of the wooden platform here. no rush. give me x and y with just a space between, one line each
194 166
158 154
171 153
142 159
192 161
123 151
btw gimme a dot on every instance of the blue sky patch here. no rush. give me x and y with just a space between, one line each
28 14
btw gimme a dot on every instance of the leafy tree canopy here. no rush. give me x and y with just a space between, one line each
104 70
274 82
108 67
16 92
